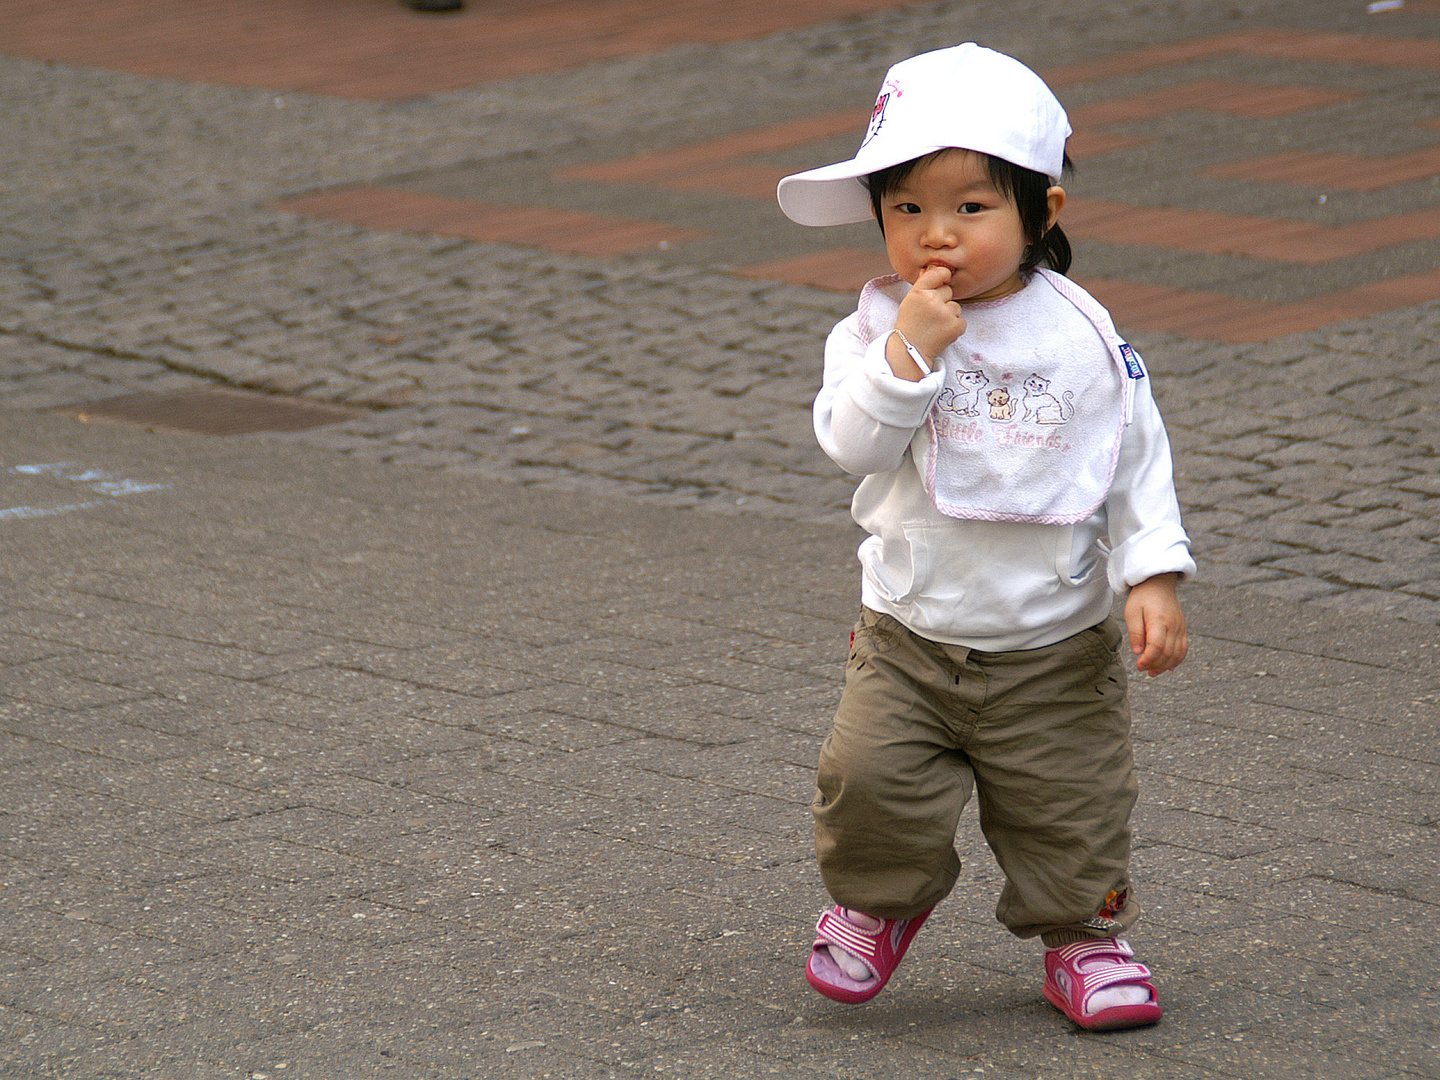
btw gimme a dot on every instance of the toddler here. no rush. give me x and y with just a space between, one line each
1016 475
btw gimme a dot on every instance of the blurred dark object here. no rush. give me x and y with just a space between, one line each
434 5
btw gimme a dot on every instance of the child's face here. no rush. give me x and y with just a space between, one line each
948 213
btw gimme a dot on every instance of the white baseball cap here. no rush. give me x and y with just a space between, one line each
965 97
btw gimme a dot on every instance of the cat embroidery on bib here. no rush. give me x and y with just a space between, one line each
1001 405
1043 407
964 397
971 392
977 408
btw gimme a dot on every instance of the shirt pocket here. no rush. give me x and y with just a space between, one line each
904 566
1077 556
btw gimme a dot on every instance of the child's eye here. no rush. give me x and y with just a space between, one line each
907 208
971 208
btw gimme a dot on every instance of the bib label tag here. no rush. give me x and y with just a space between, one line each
1133 367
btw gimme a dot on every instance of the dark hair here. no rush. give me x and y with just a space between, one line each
1026 188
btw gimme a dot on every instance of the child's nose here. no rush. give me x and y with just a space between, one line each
938 233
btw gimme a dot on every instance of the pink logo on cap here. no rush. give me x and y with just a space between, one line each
877 117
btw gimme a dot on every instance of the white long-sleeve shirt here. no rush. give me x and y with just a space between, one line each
988 585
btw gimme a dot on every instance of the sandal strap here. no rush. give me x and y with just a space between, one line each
1120 968
1099 978
1071 955
837 930
1092 982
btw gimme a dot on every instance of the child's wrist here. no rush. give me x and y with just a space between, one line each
1168 580
916 357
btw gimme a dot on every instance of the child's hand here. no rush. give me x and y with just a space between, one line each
1156 625
930 318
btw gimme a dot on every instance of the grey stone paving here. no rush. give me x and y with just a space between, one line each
442 744
313 773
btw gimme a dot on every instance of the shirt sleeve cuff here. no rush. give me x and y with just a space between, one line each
891 400
1161 550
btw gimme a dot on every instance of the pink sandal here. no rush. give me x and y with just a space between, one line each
1072 976
881 951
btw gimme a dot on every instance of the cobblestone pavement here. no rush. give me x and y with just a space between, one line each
436 743
142 254
310 773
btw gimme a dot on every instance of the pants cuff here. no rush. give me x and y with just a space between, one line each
1056 939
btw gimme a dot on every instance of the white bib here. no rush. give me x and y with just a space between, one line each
1035 399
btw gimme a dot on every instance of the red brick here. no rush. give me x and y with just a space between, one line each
715 164
1417 53
1246 326
1088 143
838 269
1420 53
1346 172
745 178
1217 233
1141 60
378 49
1390 231
1398 292
1086 214
685 161
528 226
1155 308
1188 230
1207 95
1218 317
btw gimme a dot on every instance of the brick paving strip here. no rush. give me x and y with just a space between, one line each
532 226
377 49
1349 172
727 165
714 166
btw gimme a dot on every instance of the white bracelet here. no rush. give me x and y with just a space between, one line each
920 361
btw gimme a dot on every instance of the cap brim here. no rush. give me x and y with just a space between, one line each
836 194
831 195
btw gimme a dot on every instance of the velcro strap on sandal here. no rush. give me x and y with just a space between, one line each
1114 973
1099 978
840 931
1073 954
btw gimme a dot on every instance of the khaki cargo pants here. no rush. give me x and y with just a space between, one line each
1041 736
